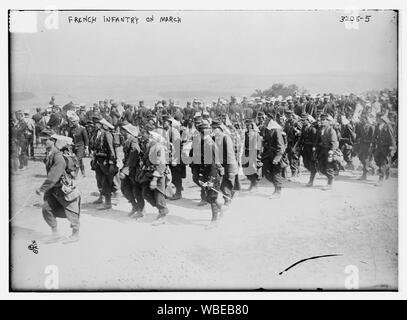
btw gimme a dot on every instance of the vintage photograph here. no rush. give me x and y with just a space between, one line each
203 150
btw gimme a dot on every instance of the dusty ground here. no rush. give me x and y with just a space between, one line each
256 240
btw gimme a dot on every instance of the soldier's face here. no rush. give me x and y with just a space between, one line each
49 143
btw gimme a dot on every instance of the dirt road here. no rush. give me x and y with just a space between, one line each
256 240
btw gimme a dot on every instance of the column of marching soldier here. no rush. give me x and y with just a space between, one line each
256 137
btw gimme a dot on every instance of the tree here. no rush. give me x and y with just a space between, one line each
279 89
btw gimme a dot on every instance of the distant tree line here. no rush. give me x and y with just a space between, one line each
279 89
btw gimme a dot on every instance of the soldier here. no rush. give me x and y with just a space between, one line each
83 119
272 157
327 145
178 170
30 133
308 145
55 120
61 198
227 159
251 162
292 128
157 176
80 139
207 171
129 174
364 143
384 147
347 139
21 130
37 117
104 162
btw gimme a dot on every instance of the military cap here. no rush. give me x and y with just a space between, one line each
149 127
97 117
167 117
203 125
216 124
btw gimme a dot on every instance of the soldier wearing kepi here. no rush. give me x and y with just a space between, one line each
80 139
272 157
308 145
252 148
365 133
130 186
105 161
61 198
292 128
207 170
327 145
227 159
384 147
178 170
157 176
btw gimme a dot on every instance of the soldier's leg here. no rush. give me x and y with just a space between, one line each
148 194
365 163
227 188
195 179
161 205
138 192
216 206
99 180
177 181
127 190
277 179
48 208
80 153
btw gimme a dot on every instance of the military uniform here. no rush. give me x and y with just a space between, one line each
327 145
292 129
308 146
131 186
364 133
105 164
272 157
156 178
384 145
56 203
227 157
80 139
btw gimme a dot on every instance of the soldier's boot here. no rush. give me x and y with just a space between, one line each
133 210
161 219
73 238
138 215
329 185
311 179
108 203
380 182
202 203
55 237
253 185
98 200
177 195
276 194
215 217
363 177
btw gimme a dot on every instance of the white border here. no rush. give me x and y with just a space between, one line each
196 5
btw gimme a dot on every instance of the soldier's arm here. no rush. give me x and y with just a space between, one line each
280 146
160 162
109 142
54 173
85 137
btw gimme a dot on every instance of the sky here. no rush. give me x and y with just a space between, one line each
207 42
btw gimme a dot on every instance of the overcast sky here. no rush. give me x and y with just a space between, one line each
214 42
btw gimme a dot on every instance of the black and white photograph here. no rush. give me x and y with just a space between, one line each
203 150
